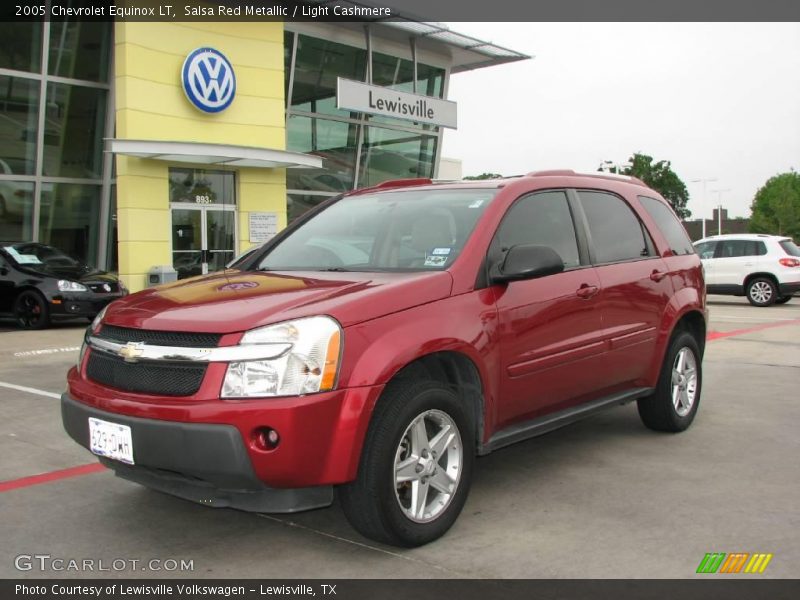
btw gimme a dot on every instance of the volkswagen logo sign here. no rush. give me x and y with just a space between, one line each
208 80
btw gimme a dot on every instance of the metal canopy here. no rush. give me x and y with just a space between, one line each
468 52
227 155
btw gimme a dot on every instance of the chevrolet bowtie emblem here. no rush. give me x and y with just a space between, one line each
131 351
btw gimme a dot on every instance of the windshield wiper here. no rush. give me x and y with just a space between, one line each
334 269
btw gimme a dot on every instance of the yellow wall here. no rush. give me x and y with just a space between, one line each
151 105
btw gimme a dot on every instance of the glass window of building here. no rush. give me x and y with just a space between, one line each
19 116
21 46
73 141
398 73
318 63
201 186
16 210
335 141
79 49
392 154
70 219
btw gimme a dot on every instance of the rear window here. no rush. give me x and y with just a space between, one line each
790 247
669 225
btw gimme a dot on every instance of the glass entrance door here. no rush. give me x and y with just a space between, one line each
203 238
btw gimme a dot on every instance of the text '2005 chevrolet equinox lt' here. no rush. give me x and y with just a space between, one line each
387 338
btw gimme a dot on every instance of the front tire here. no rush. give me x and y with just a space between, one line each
762 291
31 310
674 403
416 466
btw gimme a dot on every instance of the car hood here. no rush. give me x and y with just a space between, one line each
233 301
80 274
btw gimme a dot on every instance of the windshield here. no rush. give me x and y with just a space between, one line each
40 254
390 231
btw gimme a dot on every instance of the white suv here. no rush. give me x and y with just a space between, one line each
765 268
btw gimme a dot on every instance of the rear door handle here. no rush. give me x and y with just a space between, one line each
657 275
586 291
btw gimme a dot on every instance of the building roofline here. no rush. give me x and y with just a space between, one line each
469 53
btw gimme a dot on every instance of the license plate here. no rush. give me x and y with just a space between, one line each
111 440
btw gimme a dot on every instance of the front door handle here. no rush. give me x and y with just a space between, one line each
657 275
586 291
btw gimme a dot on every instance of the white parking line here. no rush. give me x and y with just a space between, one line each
22 388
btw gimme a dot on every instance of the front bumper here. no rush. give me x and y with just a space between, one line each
80 304
204 463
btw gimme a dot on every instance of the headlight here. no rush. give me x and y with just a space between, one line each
310 365
70 286
81 354
98 320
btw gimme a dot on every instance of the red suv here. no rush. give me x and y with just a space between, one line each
389 337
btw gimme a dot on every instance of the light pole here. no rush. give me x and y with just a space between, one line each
704 181
719 208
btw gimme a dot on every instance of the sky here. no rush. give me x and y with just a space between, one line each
719 100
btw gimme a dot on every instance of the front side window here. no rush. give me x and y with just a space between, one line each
705 250
543 219
616 232
389 231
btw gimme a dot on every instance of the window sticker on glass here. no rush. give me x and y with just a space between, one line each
476 204
440 251
435 261
23 259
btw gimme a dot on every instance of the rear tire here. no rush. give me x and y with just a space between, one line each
762 291
674 403
31 310
415 468
783 300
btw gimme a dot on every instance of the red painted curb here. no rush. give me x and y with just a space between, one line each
716 335
14 484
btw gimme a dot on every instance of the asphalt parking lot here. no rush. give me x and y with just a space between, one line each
602 498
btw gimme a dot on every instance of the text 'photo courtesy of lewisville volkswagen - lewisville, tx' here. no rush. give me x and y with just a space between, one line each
357 298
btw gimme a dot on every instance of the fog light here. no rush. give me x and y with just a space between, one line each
267 438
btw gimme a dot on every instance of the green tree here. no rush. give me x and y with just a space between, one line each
660 177
776 206
484 176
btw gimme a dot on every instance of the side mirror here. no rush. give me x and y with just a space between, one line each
527 261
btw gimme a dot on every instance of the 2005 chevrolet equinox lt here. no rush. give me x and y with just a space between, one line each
390 336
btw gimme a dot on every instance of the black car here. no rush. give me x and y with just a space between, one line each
39 283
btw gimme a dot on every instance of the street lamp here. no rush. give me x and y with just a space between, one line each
719 208
704 182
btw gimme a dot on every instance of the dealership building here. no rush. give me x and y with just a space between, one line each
132 145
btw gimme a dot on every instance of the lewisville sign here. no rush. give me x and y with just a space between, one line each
377 100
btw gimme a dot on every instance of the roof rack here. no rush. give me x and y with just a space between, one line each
598 174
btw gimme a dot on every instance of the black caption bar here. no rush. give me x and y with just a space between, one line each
414 10
130 589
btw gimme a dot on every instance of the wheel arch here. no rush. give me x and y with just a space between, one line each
457 371
760 274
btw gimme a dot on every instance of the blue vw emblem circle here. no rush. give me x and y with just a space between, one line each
208 80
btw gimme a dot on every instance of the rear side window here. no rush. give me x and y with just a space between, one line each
738 248
669 225
616 232
544 219
790 247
